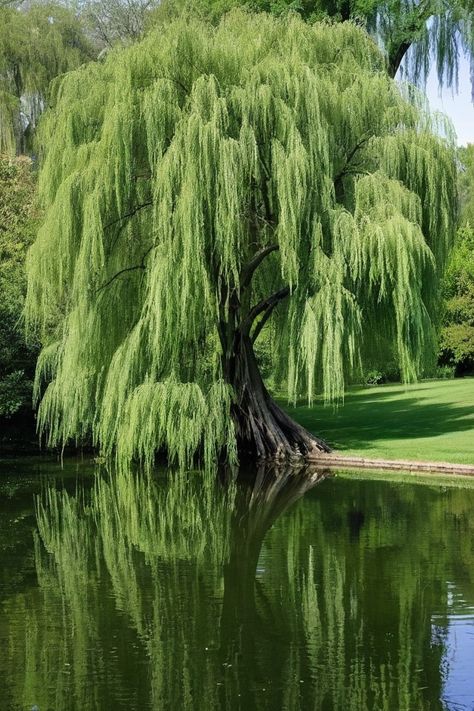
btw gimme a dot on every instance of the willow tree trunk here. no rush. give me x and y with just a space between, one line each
263 429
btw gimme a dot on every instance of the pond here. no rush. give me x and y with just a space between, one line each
307 591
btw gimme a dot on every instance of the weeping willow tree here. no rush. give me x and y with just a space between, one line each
205 183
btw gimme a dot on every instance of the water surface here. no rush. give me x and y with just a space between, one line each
305 592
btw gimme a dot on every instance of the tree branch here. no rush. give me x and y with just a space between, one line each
249 268
262 306
132 212
178 83
338 178
122 271
406 36
259 327
127 269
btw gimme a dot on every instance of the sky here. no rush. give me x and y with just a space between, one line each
458 106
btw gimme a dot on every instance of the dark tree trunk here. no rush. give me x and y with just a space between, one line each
396 57
408 32
264 430
345 10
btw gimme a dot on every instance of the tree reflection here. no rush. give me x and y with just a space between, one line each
190 595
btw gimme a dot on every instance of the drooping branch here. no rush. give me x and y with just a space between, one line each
115 276
270 218
262 306
177 82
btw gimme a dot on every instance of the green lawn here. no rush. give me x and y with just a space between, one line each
429 421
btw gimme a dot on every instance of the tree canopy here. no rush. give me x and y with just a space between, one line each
415 33
198 183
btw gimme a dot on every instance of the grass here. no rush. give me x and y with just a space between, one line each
429 421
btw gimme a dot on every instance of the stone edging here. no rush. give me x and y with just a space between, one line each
348 462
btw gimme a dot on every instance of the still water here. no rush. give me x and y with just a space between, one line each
307 592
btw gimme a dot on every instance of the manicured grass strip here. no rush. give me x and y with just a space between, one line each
429 421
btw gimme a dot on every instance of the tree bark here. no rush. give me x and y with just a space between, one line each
396 57
407 34
264 431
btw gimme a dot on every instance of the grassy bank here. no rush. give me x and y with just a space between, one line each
430 421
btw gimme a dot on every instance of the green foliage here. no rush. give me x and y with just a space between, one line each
416 33
457 339
466 184
439 372
374 377
18 219
457 332
174 165
15 392
36 45
213 10
17 210
426 32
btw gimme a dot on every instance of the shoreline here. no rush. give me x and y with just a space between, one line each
340 461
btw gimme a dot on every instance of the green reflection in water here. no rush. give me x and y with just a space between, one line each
184 594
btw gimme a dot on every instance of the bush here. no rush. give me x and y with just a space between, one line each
15 393
373 377
439 372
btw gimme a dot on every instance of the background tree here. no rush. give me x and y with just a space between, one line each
197 185
18 218
457 332
466 185
36 45
112 21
